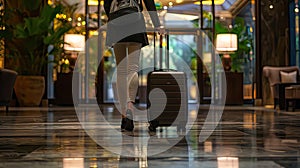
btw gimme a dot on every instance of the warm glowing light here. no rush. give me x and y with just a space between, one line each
297 10
83 23
93 2
93 165
269 106
209 2
271 6
179 1
67 61
1 62
107 53
70 19
164 43
79 19
50 2
78 24
74 42
61 16
170 3
251 29
226 42
94 33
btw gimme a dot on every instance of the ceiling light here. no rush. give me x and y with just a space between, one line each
178 1
209 2
93 2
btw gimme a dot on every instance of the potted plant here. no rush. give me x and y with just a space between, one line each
30 37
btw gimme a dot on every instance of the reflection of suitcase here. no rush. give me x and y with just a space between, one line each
166 94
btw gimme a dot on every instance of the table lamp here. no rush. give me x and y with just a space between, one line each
226 44
74 43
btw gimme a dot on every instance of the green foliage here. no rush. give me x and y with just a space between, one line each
30 35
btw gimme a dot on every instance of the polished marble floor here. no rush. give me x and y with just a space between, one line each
62 137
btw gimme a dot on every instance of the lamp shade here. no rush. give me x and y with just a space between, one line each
74 42
226 42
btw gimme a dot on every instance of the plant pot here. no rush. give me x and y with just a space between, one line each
29 90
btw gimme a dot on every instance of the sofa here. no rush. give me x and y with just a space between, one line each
279 78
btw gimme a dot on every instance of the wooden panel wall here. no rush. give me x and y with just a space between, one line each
273 32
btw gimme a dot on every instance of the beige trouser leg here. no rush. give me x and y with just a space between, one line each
127 59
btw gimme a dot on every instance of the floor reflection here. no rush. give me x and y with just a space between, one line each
60 137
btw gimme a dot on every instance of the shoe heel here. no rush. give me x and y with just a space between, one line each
129 121
123 124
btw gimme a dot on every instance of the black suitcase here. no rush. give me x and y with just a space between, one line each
166 94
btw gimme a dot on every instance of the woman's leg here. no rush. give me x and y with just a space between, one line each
120 55
127 73
133 60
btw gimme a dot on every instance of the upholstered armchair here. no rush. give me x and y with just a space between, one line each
7 81
279 78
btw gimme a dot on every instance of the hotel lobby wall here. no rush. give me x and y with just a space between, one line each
272 37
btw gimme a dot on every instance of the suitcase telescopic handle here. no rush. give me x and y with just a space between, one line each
161 37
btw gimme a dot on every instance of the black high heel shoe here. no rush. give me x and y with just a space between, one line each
129 121
123 124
